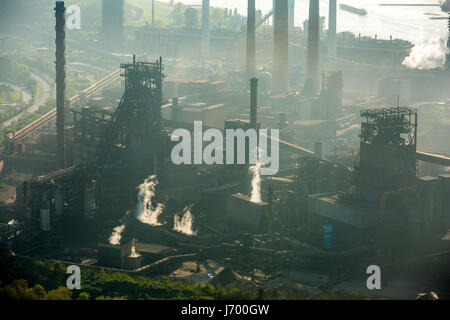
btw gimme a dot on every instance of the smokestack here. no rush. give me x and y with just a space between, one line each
251 41
205 29
332 16
447 57
253 102
25 205
318 150
112 21
291 15
60 82
280 69
313 45
273 11
153 14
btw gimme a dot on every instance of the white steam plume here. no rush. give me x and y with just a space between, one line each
185 223
428 55
116 235
146 211
256 181
134 254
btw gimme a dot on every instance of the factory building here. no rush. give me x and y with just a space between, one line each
100 166
387 200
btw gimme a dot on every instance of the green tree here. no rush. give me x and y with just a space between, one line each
39 292
83 296
61 293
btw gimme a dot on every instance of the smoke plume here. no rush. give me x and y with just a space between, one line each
148 210
428 55
134 254
116 235
256 182
185 223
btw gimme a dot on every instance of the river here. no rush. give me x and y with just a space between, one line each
409 23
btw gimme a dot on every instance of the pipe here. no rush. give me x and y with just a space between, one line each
176 112
153 14
318 150
25 205
332 23
291 16
280 48
60 66
313 45
112 21
447 57
443 160
253 102
205 29
251 40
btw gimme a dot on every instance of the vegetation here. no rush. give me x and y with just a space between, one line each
336 294
9 96
15 72
19 290
27 118
46 280
38 64
36 279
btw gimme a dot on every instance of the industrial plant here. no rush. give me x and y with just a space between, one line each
249 149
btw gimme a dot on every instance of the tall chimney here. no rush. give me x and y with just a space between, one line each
153 14
447 57
253 102
332 16
313 46
318 150
60 82
112 23
205 29
291 15
280 69
251 41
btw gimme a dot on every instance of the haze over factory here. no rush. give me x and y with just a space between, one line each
313 151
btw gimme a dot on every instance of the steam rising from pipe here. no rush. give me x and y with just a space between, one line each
148 210
185 223
116 235
427 55
134 254
256 181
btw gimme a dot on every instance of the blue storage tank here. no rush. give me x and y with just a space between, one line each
328 236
